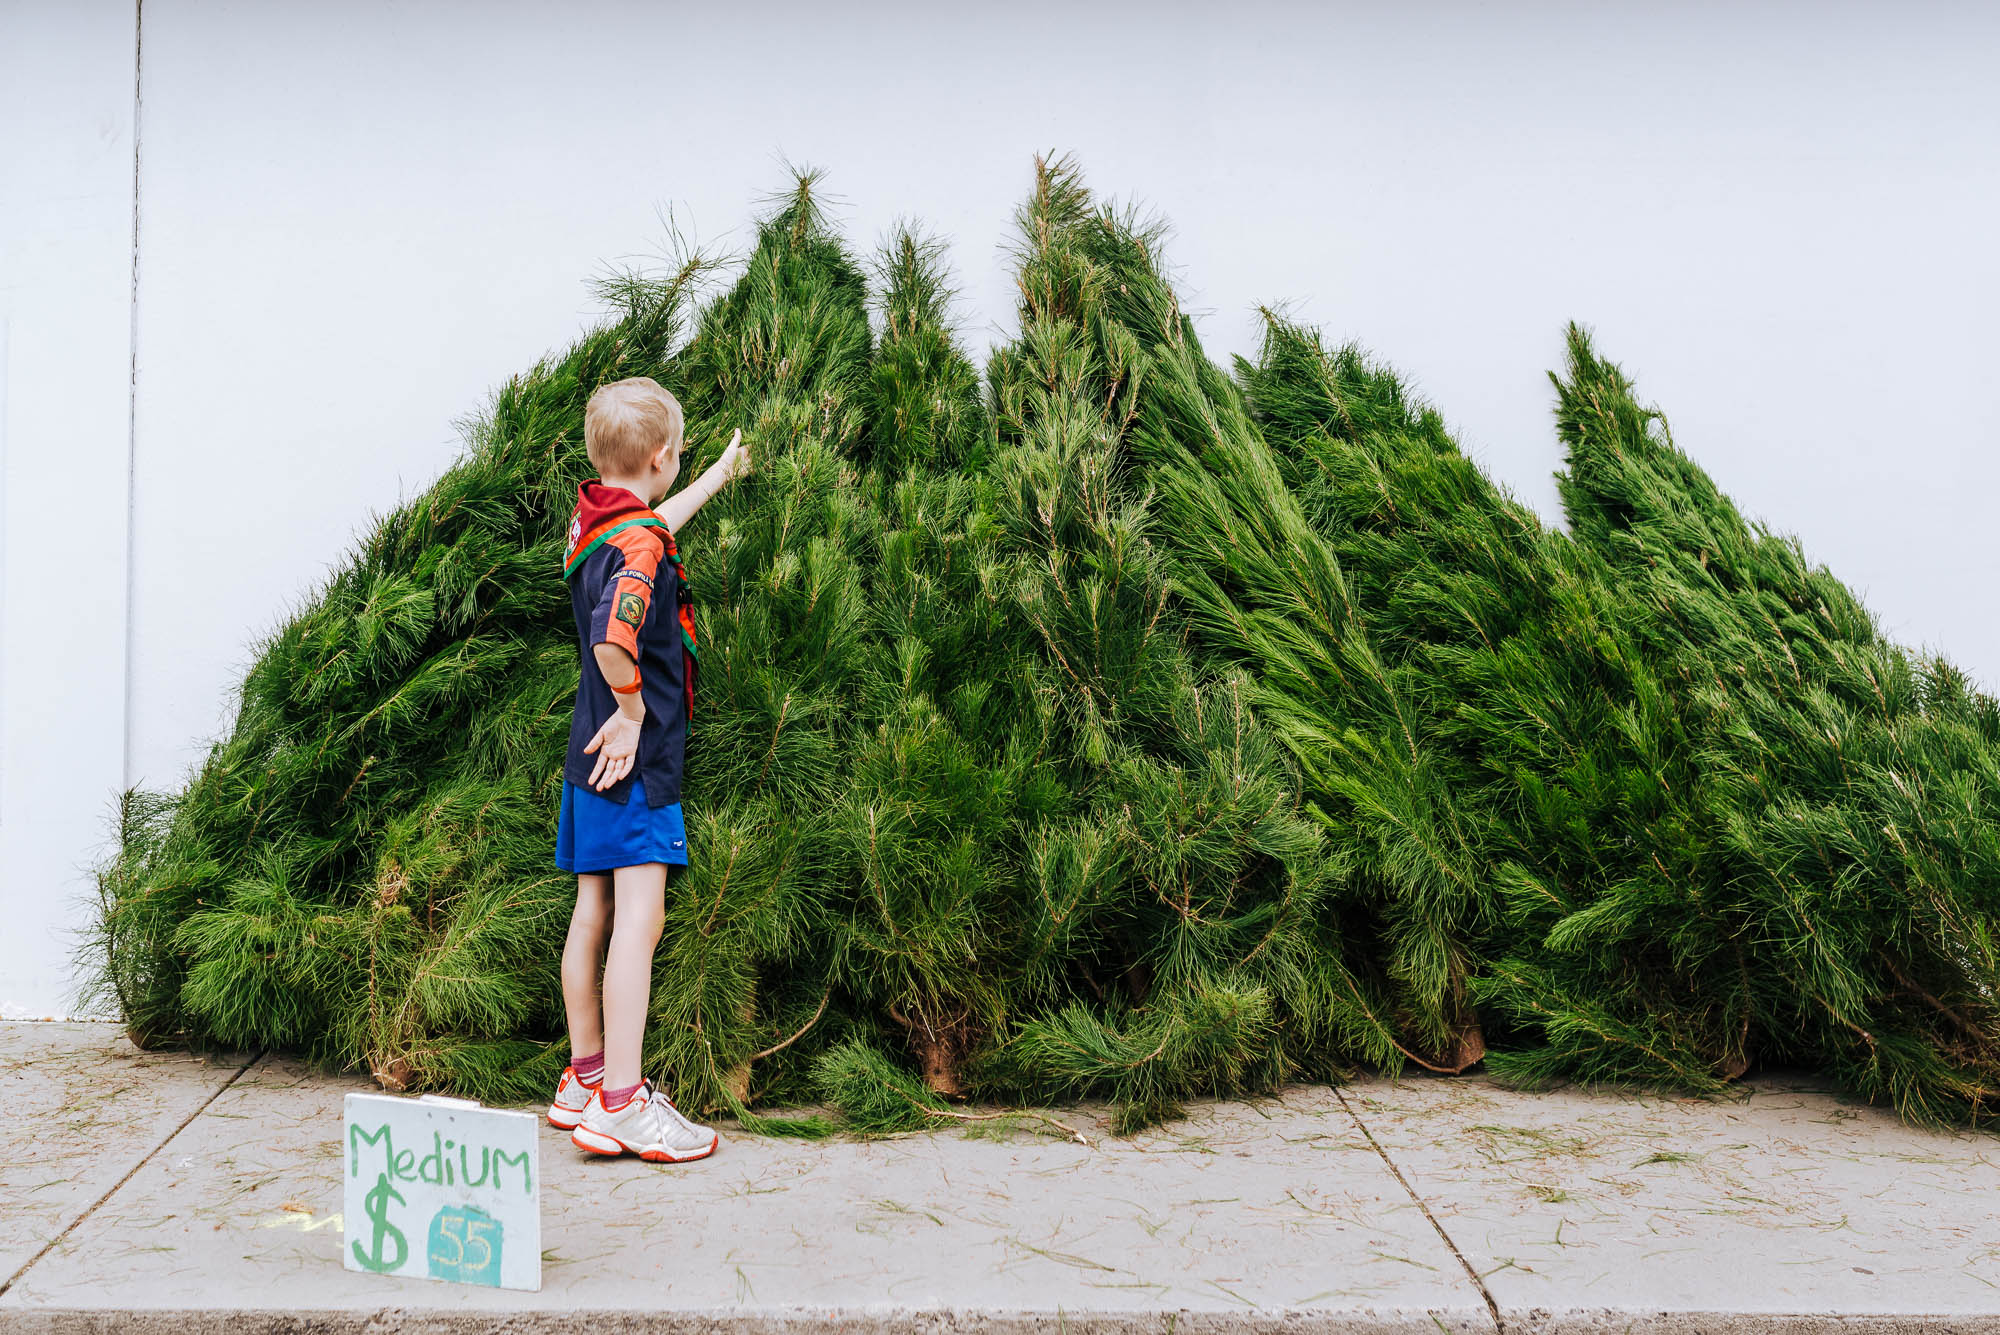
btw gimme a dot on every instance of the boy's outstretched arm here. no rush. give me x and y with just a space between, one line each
682 506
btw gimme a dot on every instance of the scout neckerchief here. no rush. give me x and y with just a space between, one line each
615 516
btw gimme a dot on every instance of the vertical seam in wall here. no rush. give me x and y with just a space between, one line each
132 399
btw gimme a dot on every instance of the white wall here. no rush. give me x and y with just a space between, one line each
65 361
357 219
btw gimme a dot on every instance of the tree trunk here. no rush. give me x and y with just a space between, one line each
392 1075
939 1045
737 1080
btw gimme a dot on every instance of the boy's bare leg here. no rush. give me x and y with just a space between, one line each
583 954
637 919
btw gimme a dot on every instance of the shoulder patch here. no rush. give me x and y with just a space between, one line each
631 609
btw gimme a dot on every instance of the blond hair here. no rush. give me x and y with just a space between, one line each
626 421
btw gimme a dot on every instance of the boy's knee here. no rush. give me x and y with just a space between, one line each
643 926
640 924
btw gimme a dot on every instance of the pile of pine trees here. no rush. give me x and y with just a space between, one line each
1124 726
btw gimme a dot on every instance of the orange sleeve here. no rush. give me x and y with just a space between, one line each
628 594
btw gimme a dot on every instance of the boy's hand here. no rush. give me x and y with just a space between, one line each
733 463
619 740
735 458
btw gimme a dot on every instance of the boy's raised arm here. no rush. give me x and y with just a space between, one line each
682 506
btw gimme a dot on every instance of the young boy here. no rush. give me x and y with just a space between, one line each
620 828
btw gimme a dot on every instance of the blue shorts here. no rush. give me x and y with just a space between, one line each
595 834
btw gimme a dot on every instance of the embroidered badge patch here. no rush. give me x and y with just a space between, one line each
631 609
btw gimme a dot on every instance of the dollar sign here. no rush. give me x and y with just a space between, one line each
377 1205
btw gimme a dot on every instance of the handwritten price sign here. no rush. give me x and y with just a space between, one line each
442 1189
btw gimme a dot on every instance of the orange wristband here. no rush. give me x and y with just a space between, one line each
628 689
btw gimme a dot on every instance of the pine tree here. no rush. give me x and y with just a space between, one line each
944 793
778 579
1265 591
1573 766
1848 790
1200 910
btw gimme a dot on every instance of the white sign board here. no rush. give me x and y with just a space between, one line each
442 1188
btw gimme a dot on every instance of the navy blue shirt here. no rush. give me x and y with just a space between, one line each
625 589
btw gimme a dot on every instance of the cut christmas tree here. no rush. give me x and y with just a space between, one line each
1847 791
1193 906
1569 762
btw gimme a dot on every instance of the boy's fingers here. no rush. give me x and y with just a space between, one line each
614 758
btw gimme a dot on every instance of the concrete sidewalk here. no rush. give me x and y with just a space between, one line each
159 1191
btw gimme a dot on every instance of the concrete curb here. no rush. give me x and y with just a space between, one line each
946 1321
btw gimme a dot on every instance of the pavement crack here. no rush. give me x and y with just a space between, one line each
1492 1307
130 1173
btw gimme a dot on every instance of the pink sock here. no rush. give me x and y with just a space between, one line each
614 1099
589 1069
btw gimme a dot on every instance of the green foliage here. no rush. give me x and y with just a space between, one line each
1848 791
1111 726
874 1096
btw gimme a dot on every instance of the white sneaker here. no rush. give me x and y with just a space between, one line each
571 1096
648 1125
